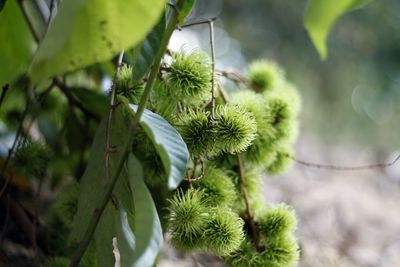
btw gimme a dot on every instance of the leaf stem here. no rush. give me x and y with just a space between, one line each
127 147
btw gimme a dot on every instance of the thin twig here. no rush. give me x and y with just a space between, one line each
111 107
212 45
198 22
35 34
87 237
4 90
235 76
344 168
249 213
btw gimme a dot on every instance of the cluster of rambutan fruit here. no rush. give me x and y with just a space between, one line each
231 145
208 211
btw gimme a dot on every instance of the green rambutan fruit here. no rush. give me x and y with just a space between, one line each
33 158
289 93
218 189
265 75
126 87
276 221
189 76
280 252
262 151
281 116
188 216
195 131
234 129
165 102
282 161
224 232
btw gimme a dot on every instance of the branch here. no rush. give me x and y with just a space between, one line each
127 147
249 213
3 92
111 106
212 45
344 168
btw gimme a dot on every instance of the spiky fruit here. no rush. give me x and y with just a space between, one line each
189 76
276 221
33 157
234 129
224 232
218 189
126 87
187 219
265 75
195 130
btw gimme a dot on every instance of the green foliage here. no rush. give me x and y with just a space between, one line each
234 129
98 32
281 161
189 76
320 16
168 143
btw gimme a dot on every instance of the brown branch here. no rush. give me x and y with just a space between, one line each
212 46
344 168
235 76
4 90
249 213
107 146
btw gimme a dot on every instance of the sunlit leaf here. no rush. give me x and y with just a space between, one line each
169 145
321 15
89 31
17 44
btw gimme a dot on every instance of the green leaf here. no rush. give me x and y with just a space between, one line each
94 101
168 143
144 54
148 235
321 15
89 31
92 184
185 10
17 44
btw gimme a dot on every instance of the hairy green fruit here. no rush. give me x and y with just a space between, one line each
218 189
276 221
234 130
187 219
280 252
265 75
33 157
195 131
189 76
125 86
281 162
262 151
224 232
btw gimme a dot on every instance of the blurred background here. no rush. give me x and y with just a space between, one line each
350 117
